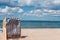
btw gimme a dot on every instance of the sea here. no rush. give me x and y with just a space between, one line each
38 24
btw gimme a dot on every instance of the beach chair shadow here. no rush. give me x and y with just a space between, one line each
24 36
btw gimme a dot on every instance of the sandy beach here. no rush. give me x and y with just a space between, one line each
41 34
1 36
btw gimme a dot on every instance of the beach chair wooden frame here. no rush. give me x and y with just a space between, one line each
10 35
4 30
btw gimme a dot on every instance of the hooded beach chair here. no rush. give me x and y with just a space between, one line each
13 29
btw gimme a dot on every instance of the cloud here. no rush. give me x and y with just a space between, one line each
15 3
42 7
42 13
20 10
24 2
4 1
36 12
5 10
42 4
56 1
9 2
10 10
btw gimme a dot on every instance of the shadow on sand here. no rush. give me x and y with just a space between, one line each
17 37
24 36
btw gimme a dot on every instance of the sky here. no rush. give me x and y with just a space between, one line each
47 10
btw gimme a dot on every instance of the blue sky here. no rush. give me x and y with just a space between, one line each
31 9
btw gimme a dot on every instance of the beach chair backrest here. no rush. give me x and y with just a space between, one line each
13 27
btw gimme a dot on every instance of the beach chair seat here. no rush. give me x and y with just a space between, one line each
14 34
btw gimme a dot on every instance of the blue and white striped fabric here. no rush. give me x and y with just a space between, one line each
14 31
